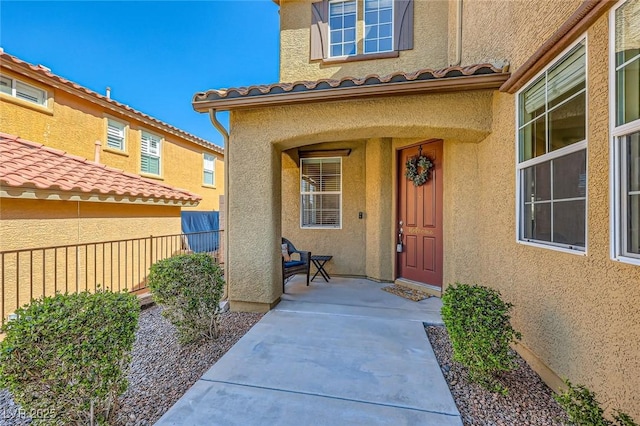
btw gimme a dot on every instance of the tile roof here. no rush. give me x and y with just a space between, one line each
45 73
370 80
26 164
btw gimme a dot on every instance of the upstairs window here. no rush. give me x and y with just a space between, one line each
209 167
151 153
116 135
342 28
378 26
321 192
24 91
625 108
387 27
552 155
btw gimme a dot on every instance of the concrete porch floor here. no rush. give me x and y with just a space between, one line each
343 352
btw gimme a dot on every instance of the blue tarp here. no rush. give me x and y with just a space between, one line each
201 222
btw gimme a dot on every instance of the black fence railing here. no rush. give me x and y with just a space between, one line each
117 265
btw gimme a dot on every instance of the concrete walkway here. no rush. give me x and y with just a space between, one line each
343 353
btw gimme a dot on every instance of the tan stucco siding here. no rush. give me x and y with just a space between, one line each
430 44
73 125
496 30
36 223
578 313
253 226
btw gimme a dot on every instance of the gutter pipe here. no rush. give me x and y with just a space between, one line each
225 136
459 35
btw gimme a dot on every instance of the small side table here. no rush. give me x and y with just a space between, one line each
319 262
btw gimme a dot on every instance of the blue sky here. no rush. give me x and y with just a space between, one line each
153 54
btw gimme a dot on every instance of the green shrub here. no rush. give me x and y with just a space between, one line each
477 321
67 356
189 286
583 408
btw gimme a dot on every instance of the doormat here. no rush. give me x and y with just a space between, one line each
407 293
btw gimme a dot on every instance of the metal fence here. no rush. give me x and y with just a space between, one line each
116 265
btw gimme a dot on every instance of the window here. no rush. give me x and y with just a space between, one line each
342 28
151 150
115 134
552 157
209 167
387 26
24 91
625 109
321 193
378 26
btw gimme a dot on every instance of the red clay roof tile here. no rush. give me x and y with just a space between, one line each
26 164
372 79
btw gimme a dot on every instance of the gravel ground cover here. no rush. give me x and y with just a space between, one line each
529 402
161 369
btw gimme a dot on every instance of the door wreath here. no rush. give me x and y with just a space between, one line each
418 169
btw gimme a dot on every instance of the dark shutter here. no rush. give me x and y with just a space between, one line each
319 24
403 25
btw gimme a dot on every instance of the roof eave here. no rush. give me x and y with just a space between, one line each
440 85
110 104
26 192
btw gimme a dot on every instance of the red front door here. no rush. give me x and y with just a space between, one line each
420 218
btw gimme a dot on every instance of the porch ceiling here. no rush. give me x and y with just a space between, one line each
451 79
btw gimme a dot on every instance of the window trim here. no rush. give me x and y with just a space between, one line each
45 106
160 149
213 170
552 155
125 131
616 238
324 192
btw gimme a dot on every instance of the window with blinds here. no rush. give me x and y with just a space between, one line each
552 154
209 169
115 134
21 90
151 150
321 192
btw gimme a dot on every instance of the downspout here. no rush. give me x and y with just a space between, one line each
225 137
459 35
98 148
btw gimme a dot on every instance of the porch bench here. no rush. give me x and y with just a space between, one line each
294 267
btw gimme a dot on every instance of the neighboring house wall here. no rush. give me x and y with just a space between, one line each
53 223
46 223
73 124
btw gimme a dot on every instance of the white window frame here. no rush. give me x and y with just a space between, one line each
150 153
212 170
303 193
552 155
364 23
618 235
355 29
14 91
123 141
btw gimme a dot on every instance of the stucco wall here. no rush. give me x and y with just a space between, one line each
27 224
578 313
340 243
73 125
430 47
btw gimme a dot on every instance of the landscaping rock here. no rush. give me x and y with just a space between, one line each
529 402
161 370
